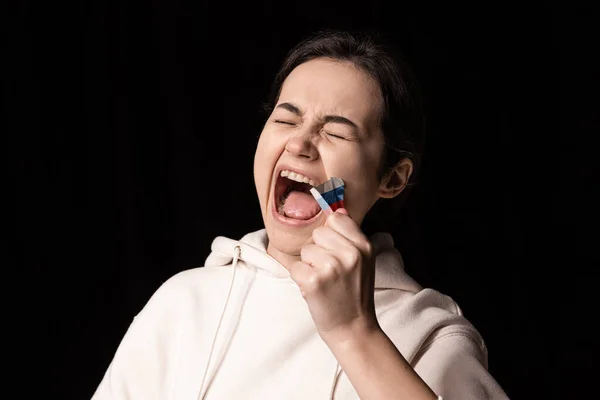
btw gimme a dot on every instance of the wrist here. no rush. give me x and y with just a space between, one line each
356 335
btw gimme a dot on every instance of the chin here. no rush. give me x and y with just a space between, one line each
288 243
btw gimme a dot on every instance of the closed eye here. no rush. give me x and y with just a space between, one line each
336 136
279 121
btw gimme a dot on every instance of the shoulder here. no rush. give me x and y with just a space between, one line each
414 320
185 288
182 281
423 303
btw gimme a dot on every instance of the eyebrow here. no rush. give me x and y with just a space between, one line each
336 119
291 108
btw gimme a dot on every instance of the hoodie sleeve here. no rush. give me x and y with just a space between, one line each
455 367
140 366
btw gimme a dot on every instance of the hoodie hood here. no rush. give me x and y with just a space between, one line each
389 266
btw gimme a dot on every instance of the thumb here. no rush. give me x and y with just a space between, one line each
342 211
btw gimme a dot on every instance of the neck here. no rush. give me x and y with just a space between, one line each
283 258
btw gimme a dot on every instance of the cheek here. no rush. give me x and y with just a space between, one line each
265 157
358 168
358 165
259 169
363 183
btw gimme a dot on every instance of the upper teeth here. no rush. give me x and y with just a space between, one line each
297 177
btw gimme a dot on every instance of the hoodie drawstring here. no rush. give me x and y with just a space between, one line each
336 376
236 257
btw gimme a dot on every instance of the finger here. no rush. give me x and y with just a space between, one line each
341 222
310 239
338 245
323 261
342 211
330 239
302 273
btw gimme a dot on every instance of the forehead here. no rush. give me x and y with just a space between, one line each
324 86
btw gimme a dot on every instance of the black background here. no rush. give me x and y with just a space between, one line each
131 133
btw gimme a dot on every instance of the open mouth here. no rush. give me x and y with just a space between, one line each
293 198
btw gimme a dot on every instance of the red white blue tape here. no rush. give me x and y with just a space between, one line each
329 195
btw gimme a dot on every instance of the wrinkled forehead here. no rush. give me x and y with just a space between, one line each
323 86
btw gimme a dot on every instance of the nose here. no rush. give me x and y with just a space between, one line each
301 145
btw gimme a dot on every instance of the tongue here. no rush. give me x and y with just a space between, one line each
300 205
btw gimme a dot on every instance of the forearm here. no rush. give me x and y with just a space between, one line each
376 368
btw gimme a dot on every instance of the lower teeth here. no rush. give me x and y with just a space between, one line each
282 202
280 210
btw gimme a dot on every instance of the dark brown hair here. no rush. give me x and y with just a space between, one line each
402 119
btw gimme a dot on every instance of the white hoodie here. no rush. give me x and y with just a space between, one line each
244 316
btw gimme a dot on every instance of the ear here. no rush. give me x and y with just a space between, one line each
395 180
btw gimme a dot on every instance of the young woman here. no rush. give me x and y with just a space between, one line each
311 307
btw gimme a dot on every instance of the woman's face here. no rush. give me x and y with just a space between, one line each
325 124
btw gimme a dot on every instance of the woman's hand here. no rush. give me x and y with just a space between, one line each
336 277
